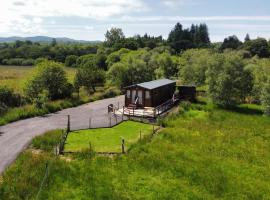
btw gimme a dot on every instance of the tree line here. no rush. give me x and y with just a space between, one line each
232 72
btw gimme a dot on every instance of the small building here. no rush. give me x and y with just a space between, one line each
187 92
150 94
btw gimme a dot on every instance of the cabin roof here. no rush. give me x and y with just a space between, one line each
153 84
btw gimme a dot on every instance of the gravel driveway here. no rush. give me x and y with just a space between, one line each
16 136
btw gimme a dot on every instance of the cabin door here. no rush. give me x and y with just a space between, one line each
140 96
133 96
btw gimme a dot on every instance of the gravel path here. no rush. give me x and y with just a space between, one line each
16 136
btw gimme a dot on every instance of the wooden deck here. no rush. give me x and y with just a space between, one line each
147 112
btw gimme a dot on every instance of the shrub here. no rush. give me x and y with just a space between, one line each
41 100
49 76
71 60
48 141
8 97
266 98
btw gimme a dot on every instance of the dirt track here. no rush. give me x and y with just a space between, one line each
16 136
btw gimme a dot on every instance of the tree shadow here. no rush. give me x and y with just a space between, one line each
243 110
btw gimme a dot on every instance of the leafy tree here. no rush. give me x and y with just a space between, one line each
258 47
113 37
228 80
167 66
50 76
265 98
89 76
193 64
71 60
247 38
232 42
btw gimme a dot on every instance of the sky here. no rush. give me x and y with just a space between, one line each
90 19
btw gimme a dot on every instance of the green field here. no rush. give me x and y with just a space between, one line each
107 139
202 153
15 76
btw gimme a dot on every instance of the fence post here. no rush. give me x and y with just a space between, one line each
68 124
123 146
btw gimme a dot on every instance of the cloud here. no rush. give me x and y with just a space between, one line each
18 3
13 16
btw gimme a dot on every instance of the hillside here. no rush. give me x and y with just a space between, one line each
44 39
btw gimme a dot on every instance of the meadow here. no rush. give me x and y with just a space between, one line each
107 139
203 152
15 76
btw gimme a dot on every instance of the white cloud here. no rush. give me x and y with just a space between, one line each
18 15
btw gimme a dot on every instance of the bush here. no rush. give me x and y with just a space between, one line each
41 100
28 62
71 61
266 98
48 141
8 97
49 76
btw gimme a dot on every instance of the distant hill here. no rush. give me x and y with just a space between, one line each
44 39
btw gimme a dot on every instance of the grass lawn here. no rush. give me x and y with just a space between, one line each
202 153
107 139
15 76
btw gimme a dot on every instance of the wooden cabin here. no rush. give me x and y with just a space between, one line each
149 94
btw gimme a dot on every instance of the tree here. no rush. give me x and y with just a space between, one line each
114 37
193 64
231 42
50 76
166 66
71 60
54 43
228 80
247 38
89 76
265 98
258 47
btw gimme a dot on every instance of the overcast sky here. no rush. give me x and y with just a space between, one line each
89 19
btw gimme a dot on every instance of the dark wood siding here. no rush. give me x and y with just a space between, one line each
157 96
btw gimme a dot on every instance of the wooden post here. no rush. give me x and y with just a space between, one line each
90 120
153 129
123 146
68 124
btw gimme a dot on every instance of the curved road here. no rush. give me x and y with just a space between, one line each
16 136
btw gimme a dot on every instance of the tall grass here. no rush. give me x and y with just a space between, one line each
203 153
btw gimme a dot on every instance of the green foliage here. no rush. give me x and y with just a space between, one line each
113 37
228 80
193 64
258 47
88 74
265 97
48 141
71 61
9 98
49 76
232 42
182 39
41 100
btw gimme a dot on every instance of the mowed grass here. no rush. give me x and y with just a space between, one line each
202 153
107 139
15 76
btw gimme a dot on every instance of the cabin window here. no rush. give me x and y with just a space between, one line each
128 93
147 95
